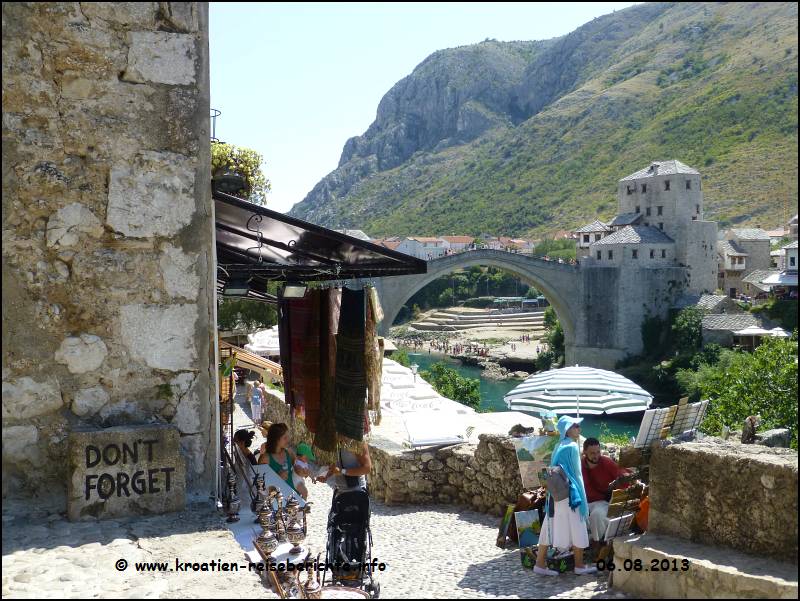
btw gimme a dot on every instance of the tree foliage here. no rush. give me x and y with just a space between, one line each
450 384
245 162
687 333
243 313
760 383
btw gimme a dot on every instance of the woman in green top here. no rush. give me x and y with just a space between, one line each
275 452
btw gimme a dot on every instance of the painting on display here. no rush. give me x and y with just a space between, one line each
533 455
528 530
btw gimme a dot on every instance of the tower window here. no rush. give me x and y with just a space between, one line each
688 184
694 217
597 237
648 211
660 210
599 256
611 254
663 253
666 184
638 209
660 226
652 253
644 188
635 253
586 237
631 190
697 209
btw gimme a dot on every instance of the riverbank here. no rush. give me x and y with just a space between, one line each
509 348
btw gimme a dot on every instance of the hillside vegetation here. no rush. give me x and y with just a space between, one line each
521 138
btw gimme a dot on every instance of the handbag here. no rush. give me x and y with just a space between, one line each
556 483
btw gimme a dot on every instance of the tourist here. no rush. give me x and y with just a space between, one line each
243 439
275 453
256 400
302 469
601 474
564 524
350 470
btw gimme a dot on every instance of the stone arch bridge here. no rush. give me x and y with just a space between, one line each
600 308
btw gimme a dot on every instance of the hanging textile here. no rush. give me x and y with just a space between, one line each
373 358
351 380
325 433
304 326
285 342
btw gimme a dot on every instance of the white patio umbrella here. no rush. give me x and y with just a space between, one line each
779 333
752 331
578 389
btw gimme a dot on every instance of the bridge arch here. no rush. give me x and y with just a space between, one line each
557 281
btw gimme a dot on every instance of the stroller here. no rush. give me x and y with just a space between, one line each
350 542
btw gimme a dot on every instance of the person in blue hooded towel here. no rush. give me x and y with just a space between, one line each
564 525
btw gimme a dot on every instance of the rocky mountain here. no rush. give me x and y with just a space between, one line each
525 137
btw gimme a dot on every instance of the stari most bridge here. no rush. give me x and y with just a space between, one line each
601 308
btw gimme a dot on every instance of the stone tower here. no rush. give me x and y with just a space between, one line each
668 196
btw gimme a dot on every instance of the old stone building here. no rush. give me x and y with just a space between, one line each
108 262
740 253
659 224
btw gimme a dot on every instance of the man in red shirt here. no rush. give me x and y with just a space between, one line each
600 475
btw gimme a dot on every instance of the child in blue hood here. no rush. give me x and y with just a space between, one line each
564 524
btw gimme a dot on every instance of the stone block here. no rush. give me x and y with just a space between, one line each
778 437
152 196
67 224
126 470
720 493
82 353
161 57
179 270
89 401
161 337
25 397
713 572
19 444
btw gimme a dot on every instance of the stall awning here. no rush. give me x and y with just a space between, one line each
264 245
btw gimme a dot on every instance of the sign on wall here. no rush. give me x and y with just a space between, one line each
125 470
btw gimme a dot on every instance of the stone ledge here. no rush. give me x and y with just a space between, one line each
713 573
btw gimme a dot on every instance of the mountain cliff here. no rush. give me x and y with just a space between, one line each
525 137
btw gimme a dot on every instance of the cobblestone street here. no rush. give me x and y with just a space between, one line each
429 552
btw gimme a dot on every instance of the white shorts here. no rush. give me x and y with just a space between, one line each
569 530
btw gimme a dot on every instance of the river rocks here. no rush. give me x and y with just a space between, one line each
82 354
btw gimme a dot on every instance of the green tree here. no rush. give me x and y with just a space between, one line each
401 356
450 384
741 384
687 333
227 158
243 313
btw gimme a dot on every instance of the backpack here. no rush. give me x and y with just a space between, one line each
556 483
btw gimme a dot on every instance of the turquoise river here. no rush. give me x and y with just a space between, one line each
493 391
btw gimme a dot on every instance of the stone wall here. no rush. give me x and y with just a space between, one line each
107 260
484 477
727 494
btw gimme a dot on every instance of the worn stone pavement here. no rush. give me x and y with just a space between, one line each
429 552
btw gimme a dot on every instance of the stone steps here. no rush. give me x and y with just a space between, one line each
714 572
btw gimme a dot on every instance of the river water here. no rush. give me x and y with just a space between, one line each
493 391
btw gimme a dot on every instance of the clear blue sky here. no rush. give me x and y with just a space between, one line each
294 81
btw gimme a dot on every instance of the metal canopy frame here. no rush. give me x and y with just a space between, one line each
264 246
